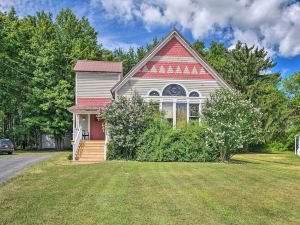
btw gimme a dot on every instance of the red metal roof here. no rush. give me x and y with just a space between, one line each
98 66
90 104
93 101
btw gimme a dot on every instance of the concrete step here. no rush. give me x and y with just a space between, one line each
90 159
76 162
91 155
93 142
93 147
92 151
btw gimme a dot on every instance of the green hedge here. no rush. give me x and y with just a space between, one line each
163 143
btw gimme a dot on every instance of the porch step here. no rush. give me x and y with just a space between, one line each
96 148
87 158
94 155
90 152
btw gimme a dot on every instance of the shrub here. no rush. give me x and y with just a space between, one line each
160 142
233 123
276 146
126 120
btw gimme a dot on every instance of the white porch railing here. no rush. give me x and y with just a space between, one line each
105 144
78 137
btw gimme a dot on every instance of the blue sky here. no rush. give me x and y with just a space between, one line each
273 24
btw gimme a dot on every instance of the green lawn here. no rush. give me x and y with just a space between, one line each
29 152
253 189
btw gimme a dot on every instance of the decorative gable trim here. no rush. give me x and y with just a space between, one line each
178 70
194 71
170 70
153 69
145 69
186 70
162 69
190 49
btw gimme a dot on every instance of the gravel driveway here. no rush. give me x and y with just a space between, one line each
12 165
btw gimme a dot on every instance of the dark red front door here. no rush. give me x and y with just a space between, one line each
97 132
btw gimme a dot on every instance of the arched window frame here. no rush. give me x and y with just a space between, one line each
159 93
194 96
185 90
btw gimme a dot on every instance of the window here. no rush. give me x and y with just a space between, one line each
155 105
194 112
194 94
167 107
153 93
174 90
181 114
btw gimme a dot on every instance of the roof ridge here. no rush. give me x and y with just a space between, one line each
91 60
98 66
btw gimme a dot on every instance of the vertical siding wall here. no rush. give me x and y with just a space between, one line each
143 86
95 84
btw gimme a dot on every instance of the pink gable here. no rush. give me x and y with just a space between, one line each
174 48
174 61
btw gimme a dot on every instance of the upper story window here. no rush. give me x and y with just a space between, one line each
153 93
174 90
194 94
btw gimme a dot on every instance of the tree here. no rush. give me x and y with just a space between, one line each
291 86
199 46
233 123
37 57
56 46
126 120
247 69
14 40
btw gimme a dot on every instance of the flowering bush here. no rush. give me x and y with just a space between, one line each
233 123
126 120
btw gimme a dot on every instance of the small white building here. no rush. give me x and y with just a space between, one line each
297 144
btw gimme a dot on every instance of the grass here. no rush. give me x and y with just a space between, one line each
252 189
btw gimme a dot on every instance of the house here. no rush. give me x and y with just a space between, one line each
173 74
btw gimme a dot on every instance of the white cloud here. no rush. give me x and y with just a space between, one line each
273 24
112 43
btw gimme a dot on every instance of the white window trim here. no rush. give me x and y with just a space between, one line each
196 92
170 83
174 113
178 99
188 101
89 125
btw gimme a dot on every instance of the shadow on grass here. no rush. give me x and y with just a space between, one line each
238 161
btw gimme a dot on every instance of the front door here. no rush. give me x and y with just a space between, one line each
97 132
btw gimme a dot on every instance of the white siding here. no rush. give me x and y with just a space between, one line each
95 84
143 86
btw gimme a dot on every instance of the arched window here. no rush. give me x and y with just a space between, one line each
194 94
153 93
174 90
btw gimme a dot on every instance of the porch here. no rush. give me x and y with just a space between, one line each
89 138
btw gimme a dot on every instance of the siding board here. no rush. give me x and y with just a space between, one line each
143 86
95 84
